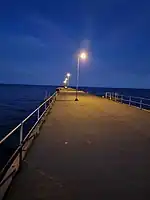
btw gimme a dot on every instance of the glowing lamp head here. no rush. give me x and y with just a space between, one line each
68 75
83 56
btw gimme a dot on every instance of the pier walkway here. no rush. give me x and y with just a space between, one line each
87 150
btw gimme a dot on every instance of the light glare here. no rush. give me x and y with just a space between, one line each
68 75
83 56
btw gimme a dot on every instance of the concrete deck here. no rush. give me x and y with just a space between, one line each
91 149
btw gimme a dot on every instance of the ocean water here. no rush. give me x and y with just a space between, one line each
18 101
144 93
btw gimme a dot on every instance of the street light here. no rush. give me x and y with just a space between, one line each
68 75
81 56
65 83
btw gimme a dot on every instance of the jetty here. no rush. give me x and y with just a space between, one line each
94 148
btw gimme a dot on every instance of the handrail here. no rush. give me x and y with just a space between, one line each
140 102
127 95
19 125
39 107
24 138
138 97
9 134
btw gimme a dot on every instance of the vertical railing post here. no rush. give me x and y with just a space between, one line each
115 96
130 101
121 98
141 104
21 133
38 114
110 96
106 95
50 102
38 117
45 105
21 143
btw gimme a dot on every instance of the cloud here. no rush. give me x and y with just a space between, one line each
52 33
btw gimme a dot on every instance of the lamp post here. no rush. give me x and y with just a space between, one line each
81 56
65 83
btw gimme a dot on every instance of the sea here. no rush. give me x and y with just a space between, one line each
18 101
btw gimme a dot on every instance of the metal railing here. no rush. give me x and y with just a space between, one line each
20 139
140 102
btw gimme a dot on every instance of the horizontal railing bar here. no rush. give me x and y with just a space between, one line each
10 133
38 108
128 96
135 102
31 131
13 157
35 125
141 98
1 141
123 98
16 152
145 104
138 102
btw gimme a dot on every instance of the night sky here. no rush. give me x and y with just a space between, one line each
40 39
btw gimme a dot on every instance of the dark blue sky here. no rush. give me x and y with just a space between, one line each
39 40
